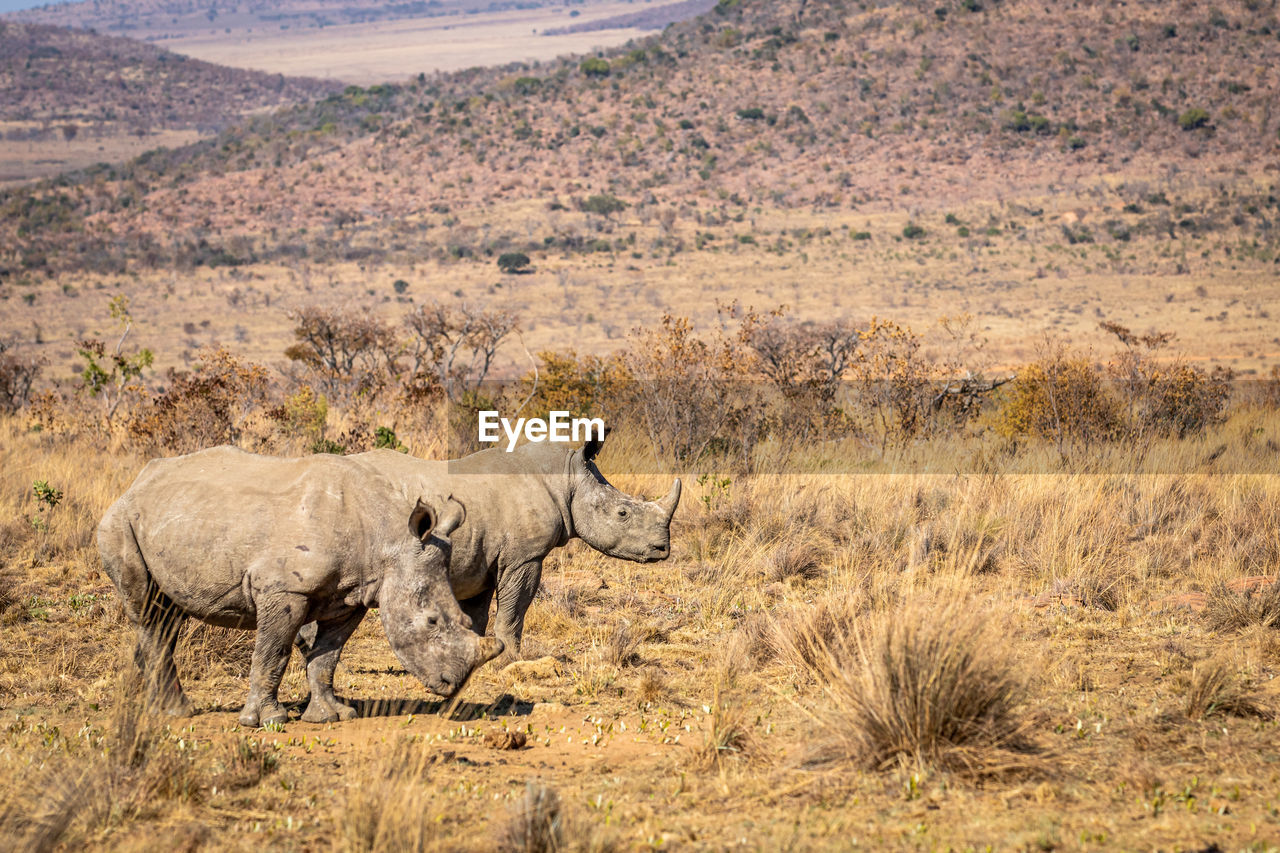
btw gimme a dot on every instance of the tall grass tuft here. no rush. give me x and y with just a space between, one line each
391 809
541 823
134 771
1215 688
925 685
1227 609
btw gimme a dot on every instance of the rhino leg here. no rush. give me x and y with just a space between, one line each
280 615
322 653
158 630
477 609
159 622
516 589
306 639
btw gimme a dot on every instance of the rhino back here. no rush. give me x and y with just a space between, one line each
213 525
515 510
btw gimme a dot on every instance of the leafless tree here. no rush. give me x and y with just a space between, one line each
18 372
456 345
348 350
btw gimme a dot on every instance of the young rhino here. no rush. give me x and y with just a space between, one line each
255 542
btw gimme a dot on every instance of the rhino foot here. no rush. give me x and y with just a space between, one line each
176 706
267 715
327 712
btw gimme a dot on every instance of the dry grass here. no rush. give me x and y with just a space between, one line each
927 684
1215 687
1228 609
700 698
392 809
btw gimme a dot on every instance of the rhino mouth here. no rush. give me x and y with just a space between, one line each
447 686
655 554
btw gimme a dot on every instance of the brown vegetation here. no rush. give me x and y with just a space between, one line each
873 643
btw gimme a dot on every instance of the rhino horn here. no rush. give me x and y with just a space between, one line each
490 648
451 516
672 500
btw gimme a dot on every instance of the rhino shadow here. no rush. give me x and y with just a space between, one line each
505 705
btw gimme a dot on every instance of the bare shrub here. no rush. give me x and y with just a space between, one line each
203 408
18 373
348 351
1228 609
806 363
456 346
693 396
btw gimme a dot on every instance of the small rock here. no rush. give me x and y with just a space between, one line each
504 739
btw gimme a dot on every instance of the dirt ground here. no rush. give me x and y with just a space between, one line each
660 702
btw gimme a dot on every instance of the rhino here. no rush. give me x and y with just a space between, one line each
522 505
271 544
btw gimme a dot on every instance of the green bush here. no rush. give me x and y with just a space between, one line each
513 262
385 437
912 231
326 445
1193 118
594 66
751 113
603 204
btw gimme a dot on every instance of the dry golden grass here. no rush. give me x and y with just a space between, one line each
666 708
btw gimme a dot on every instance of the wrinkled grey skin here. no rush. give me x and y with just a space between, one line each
520 506
256 542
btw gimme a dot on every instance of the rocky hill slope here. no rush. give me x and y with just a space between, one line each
794 105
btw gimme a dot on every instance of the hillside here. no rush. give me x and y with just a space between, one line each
68 91
371 42
930 158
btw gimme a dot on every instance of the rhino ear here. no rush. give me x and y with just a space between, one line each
593 445
453 514
422 521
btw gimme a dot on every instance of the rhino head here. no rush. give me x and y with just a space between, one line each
615 523
427 629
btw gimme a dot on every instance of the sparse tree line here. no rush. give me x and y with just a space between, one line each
758 381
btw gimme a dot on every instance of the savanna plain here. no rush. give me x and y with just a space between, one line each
957 321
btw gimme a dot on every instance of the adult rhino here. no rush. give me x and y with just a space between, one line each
521 505
255 542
